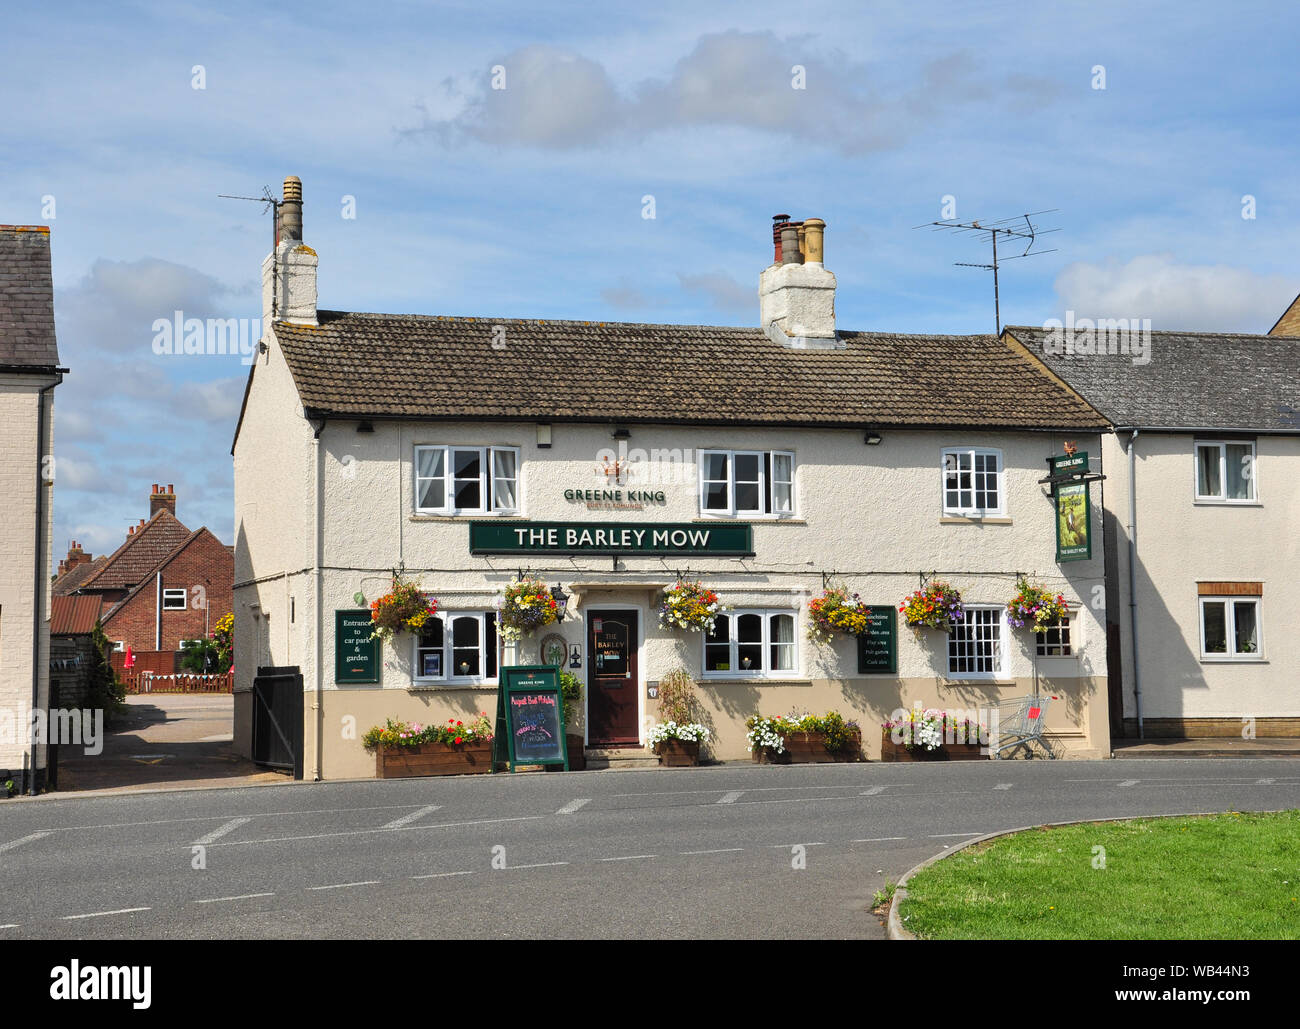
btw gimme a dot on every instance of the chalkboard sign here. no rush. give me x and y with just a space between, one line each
878 646
356 655
530 717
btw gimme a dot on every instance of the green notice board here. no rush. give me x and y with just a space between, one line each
530 717
878 646
356 655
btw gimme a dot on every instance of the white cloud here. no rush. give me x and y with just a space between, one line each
724 292
1210 298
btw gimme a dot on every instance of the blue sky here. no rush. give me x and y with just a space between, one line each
527 201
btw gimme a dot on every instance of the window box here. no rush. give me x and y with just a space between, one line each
434 759
746 483
751 644
1225 472
453 480
1230 629
973 485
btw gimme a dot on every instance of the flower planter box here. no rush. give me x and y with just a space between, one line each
434 759
678 753
891 751
809 748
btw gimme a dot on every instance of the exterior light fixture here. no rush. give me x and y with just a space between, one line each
561 601
622 432
871 439
543 435
365 427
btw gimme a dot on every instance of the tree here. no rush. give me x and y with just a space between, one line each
103 689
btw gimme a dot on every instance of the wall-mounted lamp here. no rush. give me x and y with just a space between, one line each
543 435
561 601
365 427
622 432
871 439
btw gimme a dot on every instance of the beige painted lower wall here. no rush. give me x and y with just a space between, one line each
1078 721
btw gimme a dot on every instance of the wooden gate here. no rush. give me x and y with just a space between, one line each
277 718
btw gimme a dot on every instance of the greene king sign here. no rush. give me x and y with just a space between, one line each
610 538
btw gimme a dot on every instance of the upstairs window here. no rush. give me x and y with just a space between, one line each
972 482
753 483
1230 628
174 600
1225 471
466 480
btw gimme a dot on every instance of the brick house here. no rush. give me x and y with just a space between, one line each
163 585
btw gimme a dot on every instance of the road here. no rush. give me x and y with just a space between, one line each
708 852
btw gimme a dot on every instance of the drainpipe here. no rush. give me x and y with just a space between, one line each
157 612
318 426
38 597
1132 575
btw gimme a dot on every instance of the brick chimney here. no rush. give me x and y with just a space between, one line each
289 273
796 294
76 556
158 499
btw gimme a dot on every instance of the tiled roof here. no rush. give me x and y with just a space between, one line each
149 573
374 365
71 580
130 563
1194 380
26 298
74 615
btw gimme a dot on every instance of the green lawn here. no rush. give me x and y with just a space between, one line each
1234 876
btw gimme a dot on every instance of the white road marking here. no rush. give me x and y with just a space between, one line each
12 925
397 823
748 789
723 850
632 857
441 875
787 846
875 790
15 844
879 839
573 806
366 832
225 737
101 914
146 757
344 886
1265 782
242 896
213 818
540 864
730 798
216 834
1130 782
947 835
1003 786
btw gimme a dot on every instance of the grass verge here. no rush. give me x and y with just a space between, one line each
1234 876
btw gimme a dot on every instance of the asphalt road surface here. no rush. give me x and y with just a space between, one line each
734 851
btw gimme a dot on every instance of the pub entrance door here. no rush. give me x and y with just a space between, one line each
612 678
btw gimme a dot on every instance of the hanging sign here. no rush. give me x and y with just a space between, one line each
1073 507
878 646
356 655
530 717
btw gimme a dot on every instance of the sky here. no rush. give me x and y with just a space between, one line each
501 160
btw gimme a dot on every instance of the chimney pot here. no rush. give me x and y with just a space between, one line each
291 210
162 499
814 240
170 488
790 243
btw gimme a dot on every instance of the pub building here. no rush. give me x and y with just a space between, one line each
612 460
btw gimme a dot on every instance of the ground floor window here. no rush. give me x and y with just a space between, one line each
1055 642
975 644
1230 627
457 645
749 643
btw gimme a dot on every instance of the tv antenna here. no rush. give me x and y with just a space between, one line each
1021 227
268 202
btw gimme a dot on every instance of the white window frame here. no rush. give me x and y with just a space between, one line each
170 594
1222 445
1230 628
488 480
1002 669
449 675
971 512
735 671
1065 643
767 482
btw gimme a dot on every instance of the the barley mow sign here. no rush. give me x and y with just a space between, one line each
610 538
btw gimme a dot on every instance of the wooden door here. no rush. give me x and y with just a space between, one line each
612 678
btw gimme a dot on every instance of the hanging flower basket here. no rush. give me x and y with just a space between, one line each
690 606
835 612
1035 607
936 605
527 606
403 609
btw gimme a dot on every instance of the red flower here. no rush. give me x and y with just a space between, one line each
458 739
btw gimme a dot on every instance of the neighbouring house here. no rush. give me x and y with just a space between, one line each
72 652
29 372
614 459
166 584
1200 522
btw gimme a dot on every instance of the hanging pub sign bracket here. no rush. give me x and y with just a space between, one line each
1071 484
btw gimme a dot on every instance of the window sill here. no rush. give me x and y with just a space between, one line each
429 517
974 520
1226 503
750 680
1232 659
453 684
752 519
977 682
